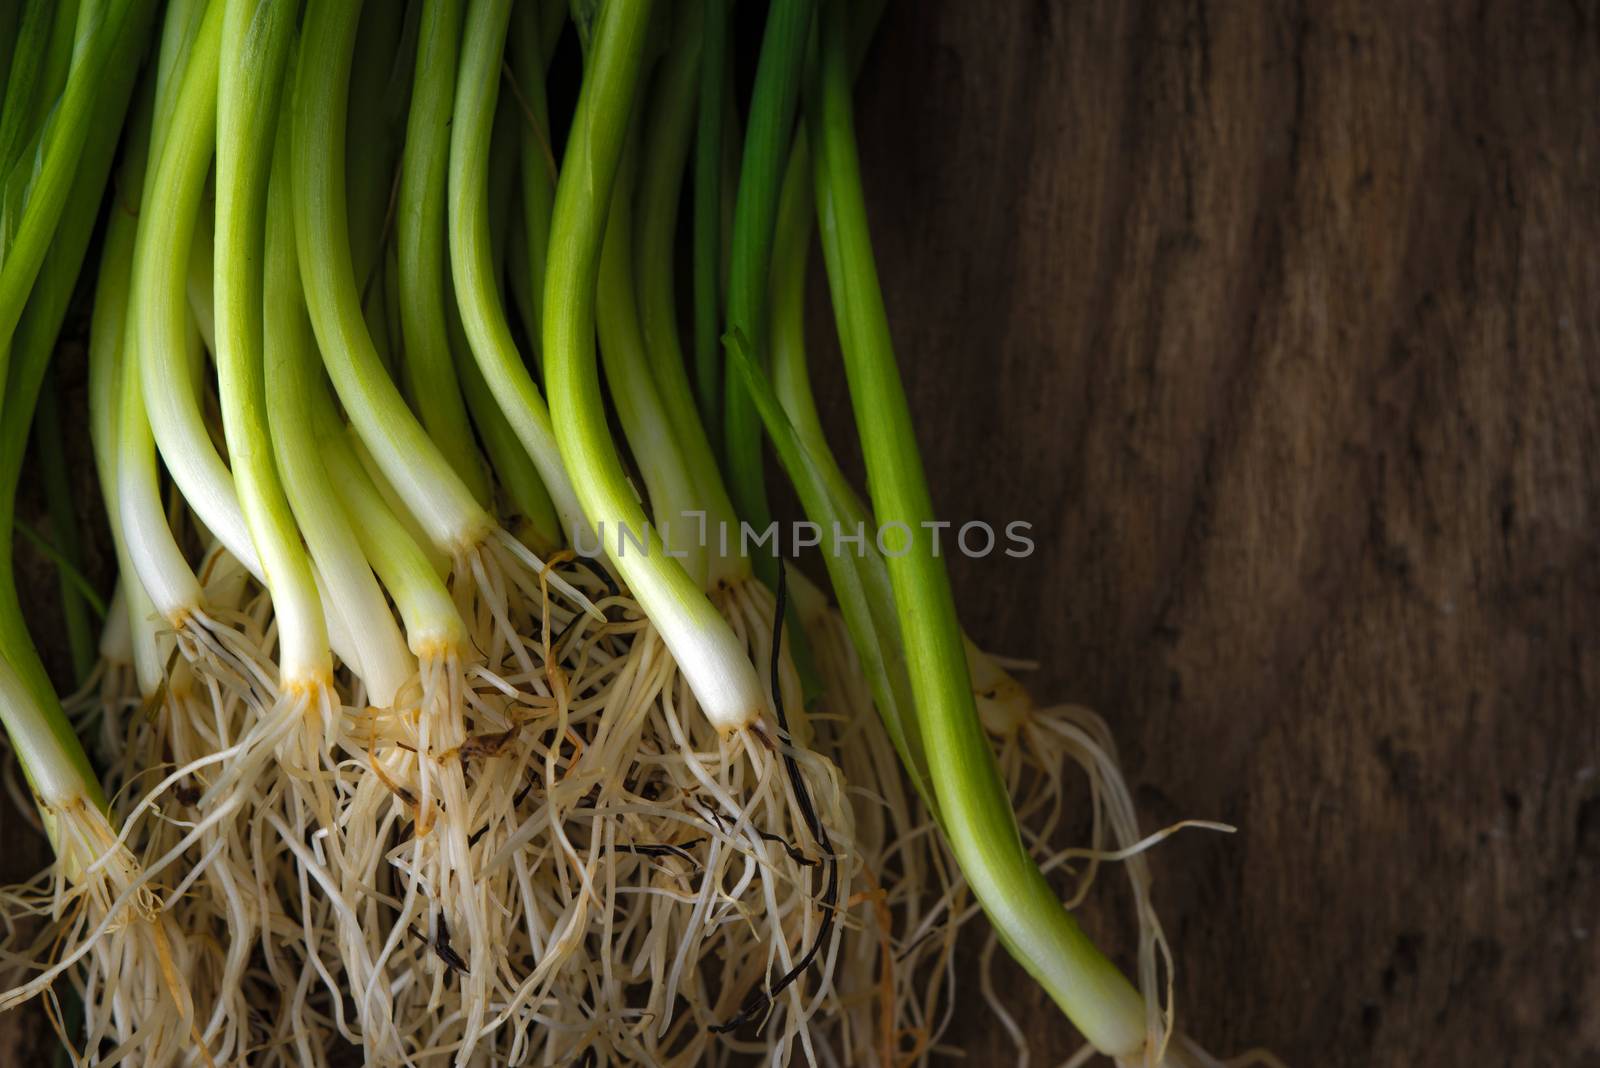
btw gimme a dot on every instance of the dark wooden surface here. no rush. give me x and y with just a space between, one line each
1280 323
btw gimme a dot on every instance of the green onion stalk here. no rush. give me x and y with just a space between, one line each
891 994
860 659
162 399
455 524
1033 744
388 761
776 800
192 715
413 751
754 200
169 716
306 725
969 796
495 620
420 230
39 172
227 723
860 656
492 32
301 447
518 186
773 104
107 930
253 819
505 401
483 315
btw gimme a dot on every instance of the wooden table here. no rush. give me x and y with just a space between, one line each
1282 324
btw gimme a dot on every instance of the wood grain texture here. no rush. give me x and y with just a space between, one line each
1280 323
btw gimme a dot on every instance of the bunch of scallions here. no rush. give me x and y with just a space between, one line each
446 710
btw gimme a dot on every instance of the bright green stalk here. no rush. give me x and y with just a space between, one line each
147 548
539 525
859 578
431 489
976 814
152 549
670 484
702 643
256 35
52 759
51 74
52 454
166 229
790 377
33 200
514 470
420 229
668 131
55 64
773 103
790 253
293 378
472 257
179 32
708 196
26 55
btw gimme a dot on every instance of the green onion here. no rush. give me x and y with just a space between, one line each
405 784
707 652
431 489
32 199
667 133
974 810
420 229
256 38
168 217
293 378
472 260
773 103
32 49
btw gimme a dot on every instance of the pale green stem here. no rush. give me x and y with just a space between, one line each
256 36
432 491
472 257
707 652
420 230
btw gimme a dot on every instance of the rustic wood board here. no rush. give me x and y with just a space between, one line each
1279 322
1282 324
